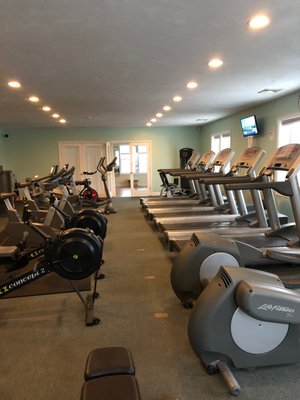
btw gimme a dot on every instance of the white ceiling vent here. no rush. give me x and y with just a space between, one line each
269 90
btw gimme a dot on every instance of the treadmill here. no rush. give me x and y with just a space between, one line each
168 187
217 168
252 223
223 214
200 164
277 251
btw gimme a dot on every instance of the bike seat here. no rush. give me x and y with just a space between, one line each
8 251
89 173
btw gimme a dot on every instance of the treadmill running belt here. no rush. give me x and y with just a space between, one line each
262 241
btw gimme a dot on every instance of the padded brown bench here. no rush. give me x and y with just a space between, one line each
109 361
112 387
110 375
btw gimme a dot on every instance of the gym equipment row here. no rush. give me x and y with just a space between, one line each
180 212
172 190
245 312
276 249
188 160
32 250
73 254
179 222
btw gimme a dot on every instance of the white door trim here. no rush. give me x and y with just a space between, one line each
110 155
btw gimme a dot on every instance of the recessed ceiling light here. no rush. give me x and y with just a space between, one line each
177 99
192 85
34 99
153 119
166 108
14 84
159 115
258 22
215 63
148 124
46 108
62 121
55 115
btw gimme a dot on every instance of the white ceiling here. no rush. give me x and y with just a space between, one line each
115 63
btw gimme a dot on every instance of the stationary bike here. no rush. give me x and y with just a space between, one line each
89 195
245 318
73 254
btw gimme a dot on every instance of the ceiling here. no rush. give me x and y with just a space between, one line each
116 63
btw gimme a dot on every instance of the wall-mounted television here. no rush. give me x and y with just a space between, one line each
249 126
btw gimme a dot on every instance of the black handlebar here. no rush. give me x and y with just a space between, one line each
225 180
283 188
203 175
48 178
102 168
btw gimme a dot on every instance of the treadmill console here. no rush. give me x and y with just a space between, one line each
223 158
206 159
286 158
249 158
193 161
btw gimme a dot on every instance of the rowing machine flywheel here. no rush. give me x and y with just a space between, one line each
91 219
76 254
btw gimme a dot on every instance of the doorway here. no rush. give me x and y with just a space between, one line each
133 170
84 156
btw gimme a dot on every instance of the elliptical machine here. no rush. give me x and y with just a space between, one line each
246 319
104 169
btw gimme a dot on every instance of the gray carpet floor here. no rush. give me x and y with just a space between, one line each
44 341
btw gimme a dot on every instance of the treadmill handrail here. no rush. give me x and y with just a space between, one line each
174 170
197 175
225 180
283 187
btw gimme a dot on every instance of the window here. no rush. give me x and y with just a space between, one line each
123 158
140 159
288 132
220 141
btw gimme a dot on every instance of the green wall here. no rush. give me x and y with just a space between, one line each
28 152
267 115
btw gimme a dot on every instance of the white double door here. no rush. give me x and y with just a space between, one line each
84 156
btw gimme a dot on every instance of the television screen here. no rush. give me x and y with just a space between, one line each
249 126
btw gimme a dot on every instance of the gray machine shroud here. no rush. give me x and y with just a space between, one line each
260 297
